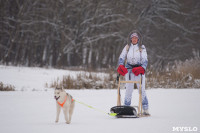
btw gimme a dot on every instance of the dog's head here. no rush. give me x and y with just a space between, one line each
59 92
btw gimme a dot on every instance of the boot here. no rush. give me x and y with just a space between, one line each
146 113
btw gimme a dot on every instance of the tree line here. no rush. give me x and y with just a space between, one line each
92 33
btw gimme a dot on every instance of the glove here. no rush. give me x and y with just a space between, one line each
122 70
138 70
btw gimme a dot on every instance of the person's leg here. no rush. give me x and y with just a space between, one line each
145 103
129 90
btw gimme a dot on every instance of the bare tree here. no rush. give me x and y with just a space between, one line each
92 33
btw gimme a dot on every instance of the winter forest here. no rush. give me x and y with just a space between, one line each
90 34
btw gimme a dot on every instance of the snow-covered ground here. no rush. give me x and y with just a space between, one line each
31 111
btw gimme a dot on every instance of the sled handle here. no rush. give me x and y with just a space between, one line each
140 97
118 92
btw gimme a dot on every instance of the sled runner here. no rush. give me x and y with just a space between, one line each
127 111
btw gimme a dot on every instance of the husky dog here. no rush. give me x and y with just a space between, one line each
64 101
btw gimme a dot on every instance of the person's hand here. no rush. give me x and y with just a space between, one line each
122 70
138 70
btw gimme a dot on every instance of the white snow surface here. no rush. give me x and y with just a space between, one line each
28 111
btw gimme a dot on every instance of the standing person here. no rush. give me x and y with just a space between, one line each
132 64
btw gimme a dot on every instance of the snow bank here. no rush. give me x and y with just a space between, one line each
34 78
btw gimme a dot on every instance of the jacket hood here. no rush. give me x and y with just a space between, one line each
139 35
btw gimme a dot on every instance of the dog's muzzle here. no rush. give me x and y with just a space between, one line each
56 97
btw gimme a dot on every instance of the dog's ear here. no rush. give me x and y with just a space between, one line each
58 88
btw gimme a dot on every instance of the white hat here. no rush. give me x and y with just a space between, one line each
134 34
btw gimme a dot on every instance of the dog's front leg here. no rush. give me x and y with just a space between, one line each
71 110
58 112
66 112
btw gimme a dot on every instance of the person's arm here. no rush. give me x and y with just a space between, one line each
122 56
144 60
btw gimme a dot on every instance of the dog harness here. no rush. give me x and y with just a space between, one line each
61 104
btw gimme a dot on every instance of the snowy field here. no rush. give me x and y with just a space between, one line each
32 107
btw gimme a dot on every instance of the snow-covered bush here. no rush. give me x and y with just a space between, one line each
4 87
181 75
86 80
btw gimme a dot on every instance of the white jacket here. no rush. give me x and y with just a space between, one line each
134 56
